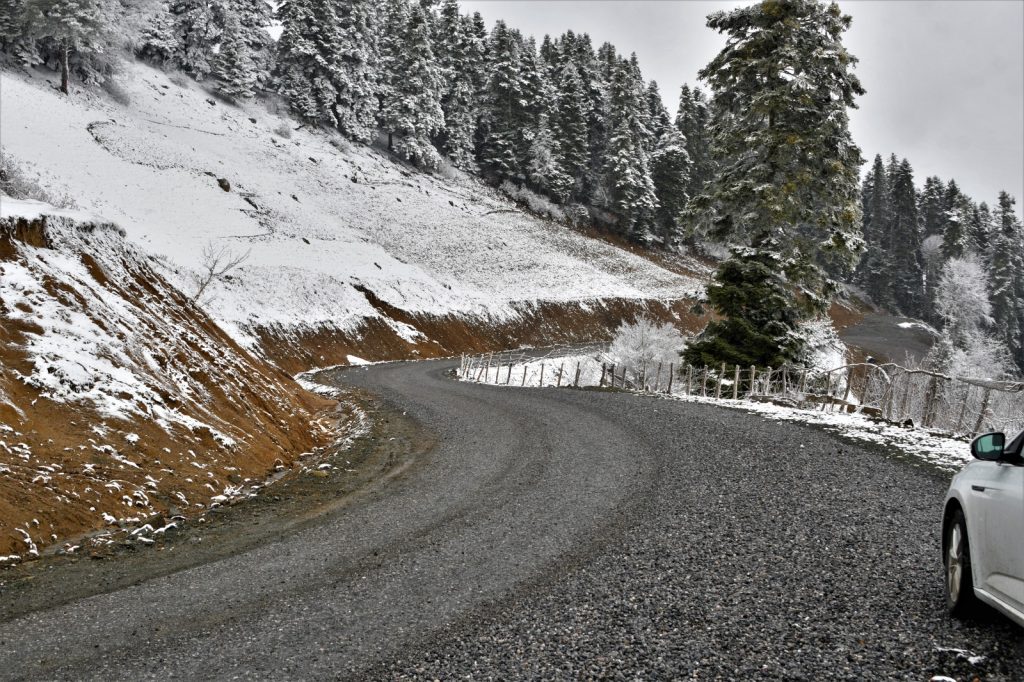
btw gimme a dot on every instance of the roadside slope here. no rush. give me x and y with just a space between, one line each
119 400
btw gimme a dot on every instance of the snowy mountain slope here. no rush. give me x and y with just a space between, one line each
318 216
118 399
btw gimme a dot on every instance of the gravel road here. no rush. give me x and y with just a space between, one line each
562 534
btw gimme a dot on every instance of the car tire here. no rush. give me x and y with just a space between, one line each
956 560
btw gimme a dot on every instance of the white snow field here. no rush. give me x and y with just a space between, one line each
317 214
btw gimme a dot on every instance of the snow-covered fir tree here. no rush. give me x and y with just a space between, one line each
505 106
198 25
905 240
569 125
68 29
670 173
1006 279
306 55
157 43
458 57
233 69
957 210
627 168
411 110
254 18
692 121
786 181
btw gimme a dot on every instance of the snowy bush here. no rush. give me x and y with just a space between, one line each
283 131
641 346
537 204
18 183
823 349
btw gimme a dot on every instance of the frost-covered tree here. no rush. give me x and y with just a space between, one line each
627 165
905 242
326 63
306 58
72 28
931 207
411 111
957 208
505 104
875 270
966 346
641 347
198 25
569 125
670 173
457 55
1006 281
157 43
659 120
254 17
692 120
233 69
543 170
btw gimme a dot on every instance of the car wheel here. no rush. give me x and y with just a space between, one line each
960 599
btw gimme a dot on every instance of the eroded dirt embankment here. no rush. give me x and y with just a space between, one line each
121 403
535 324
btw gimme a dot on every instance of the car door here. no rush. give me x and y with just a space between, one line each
1002 509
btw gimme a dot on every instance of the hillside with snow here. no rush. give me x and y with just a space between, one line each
121 402
343 242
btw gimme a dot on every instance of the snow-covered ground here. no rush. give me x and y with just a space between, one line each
516 370
318 216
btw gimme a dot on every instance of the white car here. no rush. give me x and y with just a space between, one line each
983 530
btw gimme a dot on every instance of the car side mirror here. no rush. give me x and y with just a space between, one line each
989 447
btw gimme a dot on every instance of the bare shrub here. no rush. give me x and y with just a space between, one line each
217 261
538 205
17 182
283 131
179 79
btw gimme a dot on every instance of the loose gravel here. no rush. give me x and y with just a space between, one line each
562 534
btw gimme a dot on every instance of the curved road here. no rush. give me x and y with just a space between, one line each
562 534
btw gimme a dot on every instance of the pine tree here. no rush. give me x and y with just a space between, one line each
72 27
956 209
659 120
569 126
459 99
254 17
787 179
412 109
306 55
692 122
628 176
905 242
1006 277
931 208
876 267
233 67
543 169
505 106
670 173
197 30
758 314
157 43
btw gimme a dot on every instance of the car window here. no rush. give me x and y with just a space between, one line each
1014 448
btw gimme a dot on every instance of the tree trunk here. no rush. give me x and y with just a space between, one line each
65 68
391 146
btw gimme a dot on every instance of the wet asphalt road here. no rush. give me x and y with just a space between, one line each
563 534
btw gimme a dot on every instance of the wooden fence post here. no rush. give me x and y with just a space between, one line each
718 389
613 374
603 369
671 375
736 383
624 377
561 369
984 409
768 381
541 385
828 390
689 379
524 374
657 379
753 380
508 379
576 383
704 382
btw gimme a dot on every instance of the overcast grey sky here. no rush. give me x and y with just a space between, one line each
944 78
